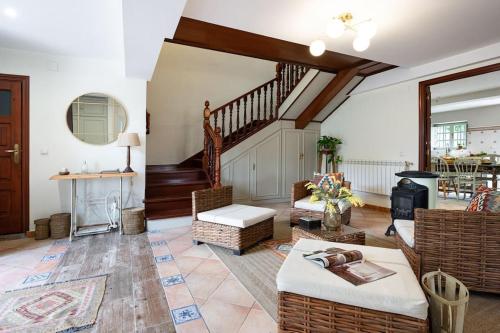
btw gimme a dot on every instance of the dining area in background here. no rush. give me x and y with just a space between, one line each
464 175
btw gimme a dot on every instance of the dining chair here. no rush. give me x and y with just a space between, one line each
446 178
468 178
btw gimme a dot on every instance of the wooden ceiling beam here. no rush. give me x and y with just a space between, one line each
325 96
206 35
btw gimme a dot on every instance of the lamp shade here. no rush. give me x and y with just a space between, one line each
128 140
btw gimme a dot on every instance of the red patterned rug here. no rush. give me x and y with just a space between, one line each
64 306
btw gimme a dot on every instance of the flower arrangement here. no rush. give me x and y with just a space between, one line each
333 193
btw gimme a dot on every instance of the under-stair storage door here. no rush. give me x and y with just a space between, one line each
310 154
266 168
292 159
242 177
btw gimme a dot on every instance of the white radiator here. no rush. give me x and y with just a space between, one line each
372 176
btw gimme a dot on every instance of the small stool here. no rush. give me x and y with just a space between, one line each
42 229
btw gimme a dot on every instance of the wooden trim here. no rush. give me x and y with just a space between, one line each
300 94
215 37
25 137
325 96
425 111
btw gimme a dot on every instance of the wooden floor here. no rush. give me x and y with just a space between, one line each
132 301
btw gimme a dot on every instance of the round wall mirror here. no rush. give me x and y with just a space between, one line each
96 118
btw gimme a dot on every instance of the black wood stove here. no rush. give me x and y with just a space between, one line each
405 197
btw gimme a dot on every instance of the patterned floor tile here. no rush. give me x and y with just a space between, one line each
37 278
52 257
172 280
185 314
165 258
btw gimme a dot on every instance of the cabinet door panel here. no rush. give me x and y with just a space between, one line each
267 171
292 162
226 174
241 177
310 154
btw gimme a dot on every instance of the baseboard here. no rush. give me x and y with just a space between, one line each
378 208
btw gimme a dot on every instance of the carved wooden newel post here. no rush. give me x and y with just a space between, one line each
206 122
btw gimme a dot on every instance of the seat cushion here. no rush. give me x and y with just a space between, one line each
318 206
399 293
240 216
406 230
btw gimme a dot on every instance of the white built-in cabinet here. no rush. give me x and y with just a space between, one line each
267 170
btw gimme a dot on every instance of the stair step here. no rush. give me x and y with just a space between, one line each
169 189
159 208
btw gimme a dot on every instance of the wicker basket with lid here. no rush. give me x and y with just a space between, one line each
133 220
60 225
42 229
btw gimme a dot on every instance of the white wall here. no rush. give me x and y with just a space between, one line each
183 79
381 124
478 117
54 82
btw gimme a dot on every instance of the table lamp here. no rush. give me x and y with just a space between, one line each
128 140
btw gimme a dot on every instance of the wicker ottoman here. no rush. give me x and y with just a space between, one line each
217 221
312 299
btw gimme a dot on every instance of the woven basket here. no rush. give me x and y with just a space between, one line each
133 220
448 299
42 229
60 225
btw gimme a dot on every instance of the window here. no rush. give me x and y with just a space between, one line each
449 135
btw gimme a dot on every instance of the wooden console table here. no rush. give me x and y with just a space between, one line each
89 176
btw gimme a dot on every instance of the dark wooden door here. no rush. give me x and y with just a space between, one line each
11 186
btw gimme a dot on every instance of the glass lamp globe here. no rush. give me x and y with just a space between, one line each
367 29
360 44
335 28
317 48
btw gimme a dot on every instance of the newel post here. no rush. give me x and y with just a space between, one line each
206 122
278 84
218 151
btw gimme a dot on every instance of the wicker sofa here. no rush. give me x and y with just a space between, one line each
299 192
463 244
253 224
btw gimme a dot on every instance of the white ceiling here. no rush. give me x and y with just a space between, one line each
90 28
410 32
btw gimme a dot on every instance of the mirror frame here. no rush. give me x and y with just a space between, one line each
102 93
424 108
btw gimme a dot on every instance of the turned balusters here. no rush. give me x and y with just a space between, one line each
265 103
231 123
251 109
237 117
245 114
223 121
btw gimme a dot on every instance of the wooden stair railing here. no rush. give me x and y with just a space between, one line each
238 119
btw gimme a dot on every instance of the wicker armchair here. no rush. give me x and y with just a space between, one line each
228 236
299 191
463 244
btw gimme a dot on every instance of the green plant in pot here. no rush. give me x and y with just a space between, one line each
335 197
328 144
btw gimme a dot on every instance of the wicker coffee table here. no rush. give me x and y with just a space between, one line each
346 234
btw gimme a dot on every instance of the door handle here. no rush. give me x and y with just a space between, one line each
15 151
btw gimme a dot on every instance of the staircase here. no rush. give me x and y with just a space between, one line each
169 187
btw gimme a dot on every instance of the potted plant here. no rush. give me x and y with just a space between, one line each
328 145
334 195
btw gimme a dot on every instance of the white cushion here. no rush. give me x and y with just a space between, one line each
240 216
318 206
406 230
399 293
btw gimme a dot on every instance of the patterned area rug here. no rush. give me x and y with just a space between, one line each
65 306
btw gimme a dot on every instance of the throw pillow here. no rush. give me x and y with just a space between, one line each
334 176
484 200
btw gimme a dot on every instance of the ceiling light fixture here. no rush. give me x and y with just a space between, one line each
10 12
365 30
317 48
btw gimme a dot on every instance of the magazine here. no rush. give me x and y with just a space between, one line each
349 265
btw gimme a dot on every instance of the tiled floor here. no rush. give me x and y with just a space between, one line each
26 262
203 295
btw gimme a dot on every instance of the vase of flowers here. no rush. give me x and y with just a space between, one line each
335 197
